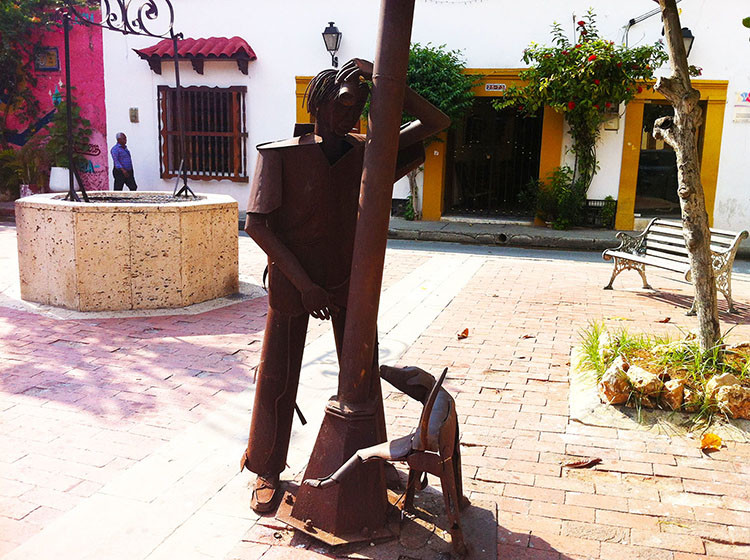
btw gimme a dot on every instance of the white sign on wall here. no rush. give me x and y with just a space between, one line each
742 107
495 87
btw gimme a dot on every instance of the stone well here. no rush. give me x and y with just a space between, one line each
108 256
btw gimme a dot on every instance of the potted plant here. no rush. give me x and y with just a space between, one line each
57 144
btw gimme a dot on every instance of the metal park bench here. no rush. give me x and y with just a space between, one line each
662 245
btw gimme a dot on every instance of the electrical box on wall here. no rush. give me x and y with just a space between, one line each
612 120
133 114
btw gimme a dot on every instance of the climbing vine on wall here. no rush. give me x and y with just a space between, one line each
585 79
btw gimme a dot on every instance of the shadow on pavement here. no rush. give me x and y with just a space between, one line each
684 302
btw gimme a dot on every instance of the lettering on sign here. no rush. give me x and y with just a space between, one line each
495 87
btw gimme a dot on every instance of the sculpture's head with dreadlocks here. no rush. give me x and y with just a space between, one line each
336 105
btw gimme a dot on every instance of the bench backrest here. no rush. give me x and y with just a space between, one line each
664 240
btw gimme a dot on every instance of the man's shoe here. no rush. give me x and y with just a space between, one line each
266 493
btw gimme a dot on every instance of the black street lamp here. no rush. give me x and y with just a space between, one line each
687 38
332 39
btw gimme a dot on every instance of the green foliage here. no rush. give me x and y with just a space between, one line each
409 213
583 80
10 175
56 147
560 199
591 359
608 212
436 74
21 24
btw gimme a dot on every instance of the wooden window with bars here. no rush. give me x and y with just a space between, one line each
215 133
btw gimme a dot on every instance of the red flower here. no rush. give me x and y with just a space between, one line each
607 104
592 58
596 107
581 23
578 46
597 82
619 64
520 107
565 52
640 89
571 105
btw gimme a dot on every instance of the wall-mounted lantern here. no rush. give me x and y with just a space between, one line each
332 39
687 38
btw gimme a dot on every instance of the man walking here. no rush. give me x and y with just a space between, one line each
123 170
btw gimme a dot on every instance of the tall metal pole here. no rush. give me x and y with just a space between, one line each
356 508
389 79
72 171
180 122
69 112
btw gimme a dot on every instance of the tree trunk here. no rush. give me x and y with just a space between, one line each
681 132
414 192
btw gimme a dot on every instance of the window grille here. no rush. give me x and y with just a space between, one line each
215 133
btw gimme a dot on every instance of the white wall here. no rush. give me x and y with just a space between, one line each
286 36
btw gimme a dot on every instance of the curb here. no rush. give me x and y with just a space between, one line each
508 240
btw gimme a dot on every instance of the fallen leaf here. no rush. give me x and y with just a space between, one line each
528 336
463 334
710 442
585 463
665 320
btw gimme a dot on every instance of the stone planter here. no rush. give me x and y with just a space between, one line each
107 256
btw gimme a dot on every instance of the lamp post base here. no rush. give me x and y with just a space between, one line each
356 508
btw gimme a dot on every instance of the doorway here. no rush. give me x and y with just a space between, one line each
656 188
492 155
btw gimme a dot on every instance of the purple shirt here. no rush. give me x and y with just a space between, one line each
121 157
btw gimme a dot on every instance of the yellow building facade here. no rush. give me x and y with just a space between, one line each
494 81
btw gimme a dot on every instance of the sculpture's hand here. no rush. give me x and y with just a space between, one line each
317 303
353 69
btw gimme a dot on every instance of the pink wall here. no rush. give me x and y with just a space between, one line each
87 76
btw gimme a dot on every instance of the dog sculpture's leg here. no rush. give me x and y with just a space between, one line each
411 488
452 507
463 501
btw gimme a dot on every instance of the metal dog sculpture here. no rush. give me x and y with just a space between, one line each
432 448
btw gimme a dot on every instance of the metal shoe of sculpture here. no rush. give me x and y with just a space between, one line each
432 448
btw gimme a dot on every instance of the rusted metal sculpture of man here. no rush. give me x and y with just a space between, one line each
303 213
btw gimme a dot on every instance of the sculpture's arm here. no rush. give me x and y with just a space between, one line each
430 119
315 299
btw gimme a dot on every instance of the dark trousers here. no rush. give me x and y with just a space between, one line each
276 389
121 179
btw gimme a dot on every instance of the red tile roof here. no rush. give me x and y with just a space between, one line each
210 48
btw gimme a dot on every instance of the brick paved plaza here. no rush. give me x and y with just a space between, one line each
121 436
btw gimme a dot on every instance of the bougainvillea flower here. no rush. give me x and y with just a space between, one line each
581 23
640 89
597 81
592 58
571 105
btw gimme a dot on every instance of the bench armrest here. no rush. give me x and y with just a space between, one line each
635 244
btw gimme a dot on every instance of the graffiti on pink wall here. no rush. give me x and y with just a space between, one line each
87 76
